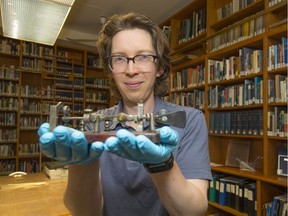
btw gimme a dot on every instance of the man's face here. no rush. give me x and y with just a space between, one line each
135 83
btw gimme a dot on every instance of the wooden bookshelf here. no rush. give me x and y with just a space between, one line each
230 28
33 77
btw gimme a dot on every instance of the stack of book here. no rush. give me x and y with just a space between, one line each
235 192
56 170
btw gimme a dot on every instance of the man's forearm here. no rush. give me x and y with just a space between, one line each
181 196
83 194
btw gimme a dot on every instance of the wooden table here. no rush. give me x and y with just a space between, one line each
33 194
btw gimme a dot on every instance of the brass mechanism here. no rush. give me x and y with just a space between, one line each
177 119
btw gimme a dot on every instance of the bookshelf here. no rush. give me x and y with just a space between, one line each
97 96
33 77
234 68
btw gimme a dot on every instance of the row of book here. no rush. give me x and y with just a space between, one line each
29 105
39 65
274 2
277 207
29 166
65 65
232 7
8 135
248 93
63 83
97 82
78 70
249 61
62 72
8 118
30 122
6 150
7 166
93 61
64 56
32 64
78 83
9 88
277 89
188 77
278 55
101 97
29 149
78 108
46 107
8 104
9 72
235 34
195 98
46 91
277 124
242 122
192 26
36 50
235 192
63 95
30 91
9 46
78 95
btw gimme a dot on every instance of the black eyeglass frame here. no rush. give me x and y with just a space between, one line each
128 59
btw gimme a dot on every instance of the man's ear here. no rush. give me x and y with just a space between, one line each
159 72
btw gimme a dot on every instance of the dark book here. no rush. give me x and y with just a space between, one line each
232 190
214 187
276 204
227 125
250 199
55 165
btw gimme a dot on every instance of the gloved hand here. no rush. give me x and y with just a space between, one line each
68 145
142 149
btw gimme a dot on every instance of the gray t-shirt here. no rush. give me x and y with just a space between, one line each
127 187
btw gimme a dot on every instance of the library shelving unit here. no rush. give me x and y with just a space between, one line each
9 91
229 59
33 77
97 84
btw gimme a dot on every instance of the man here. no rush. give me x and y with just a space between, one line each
130 175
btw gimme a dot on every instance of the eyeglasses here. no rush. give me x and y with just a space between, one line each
118 63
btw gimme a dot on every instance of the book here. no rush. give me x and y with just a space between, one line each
278 79
240 196
56 170
250 199
276 204
232 190
214 187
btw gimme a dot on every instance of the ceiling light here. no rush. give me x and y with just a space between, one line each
103 20
37 21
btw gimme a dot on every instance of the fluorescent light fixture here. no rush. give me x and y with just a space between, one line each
37 21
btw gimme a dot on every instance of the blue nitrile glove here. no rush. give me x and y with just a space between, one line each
142 149
68 145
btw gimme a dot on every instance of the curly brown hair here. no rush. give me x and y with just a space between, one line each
132 20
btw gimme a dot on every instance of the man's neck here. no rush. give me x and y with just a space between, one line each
132 107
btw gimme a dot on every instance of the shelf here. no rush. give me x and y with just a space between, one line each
239 15
257 175
43 76
222 89
227 209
